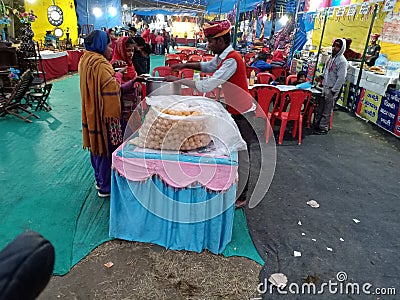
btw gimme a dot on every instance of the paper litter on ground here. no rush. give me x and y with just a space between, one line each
296 253
299 223
356 221
109 264
313 203
329 249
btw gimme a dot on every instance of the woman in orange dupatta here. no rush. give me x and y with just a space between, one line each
130 89
101 108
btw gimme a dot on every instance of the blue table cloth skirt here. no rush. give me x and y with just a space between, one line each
191 219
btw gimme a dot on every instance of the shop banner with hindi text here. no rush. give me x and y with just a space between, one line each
389 110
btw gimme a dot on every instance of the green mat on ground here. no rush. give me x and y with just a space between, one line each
48 183
241 243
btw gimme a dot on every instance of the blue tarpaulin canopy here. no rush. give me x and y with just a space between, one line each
169 12
213 6
226 6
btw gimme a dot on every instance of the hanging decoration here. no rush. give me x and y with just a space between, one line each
364 10
340 13
331 11
351 12
389 5
55 15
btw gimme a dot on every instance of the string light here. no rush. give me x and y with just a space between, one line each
97 12
112 11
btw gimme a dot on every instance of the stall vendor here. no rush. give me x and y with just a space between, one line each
373 50
349 53
227 66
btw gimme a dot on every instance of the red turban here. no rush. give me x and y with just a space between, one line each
216 28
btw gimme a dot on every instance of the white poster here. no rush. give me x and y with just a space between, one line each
331 11
364 8
352 10
389 5
340 12
391 29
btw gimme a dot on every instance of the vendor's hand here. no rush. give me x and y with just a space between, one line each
171 78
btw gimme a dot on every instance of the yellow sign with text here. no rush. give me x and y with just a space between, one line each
370 106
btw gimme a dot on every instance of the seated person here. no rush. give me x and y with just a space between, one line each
277 60
261 63
301 78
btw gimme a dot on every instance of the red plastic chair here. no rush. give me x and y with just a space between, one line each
171 62
162 71
265 77
186 73
182 56
208 58
264 95
200 52
172 56
186 51
279 73
249 69
208 55
291 79
249 57
195 58
291 112
310 110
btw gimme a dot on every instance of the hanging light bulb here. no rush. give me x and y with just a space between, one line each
112 11
97 12
284 20
125 6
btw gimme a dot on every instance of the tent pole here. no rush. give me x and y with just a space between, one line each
236 23
271 39
357 89
87 12
320 45
295 30
220 9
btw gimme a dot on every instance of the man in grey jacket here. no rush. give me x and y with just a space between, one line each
333 78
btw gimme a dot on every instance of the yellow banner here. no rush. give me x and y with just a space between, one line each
370 105
41 25
355 28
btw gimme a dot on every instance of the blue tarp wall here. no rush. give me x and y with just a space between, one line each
226 6
84 10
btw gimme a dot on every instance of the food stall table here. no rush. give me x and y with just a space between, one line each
180 201
54 64
375 101
73 59
285 88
